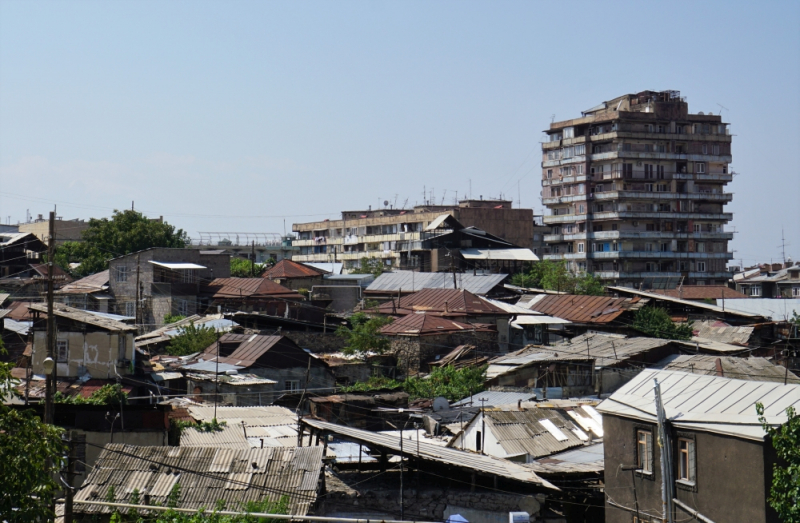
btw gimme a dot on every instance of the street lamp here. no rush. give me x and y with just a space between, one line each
48 364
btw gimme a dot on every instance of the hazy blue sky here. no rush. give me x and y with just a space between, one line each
233 116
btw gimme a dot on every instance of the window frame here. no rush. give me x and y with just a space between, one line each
291 385
689 482
649 458
62 345
121 274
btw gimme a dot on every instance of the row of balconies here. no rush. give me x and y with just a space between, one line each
651 255
344 256
638 215
641 195
616 275
655 235
640 135
355 240
698 177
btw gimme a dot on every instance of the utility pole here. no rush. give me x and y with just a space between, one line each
70 491
253 260
50 380
402 493
483 426
216 383
136 294
666 460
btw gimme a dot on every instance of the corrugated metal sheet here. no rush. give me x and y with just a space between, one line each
127 467
499 254
581 309
253 416
608 349
722 332
229 436
222 460
581 460
287 268
694 401
424 324
752 368
410 281
428 452
535 432
696 304
249 288
82 316
701 292
453 301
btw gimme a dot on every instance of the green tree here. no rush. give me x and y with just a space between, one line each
173 318
364 334
242 268
29 453
655 322
191 339
366 265
454 384
784 495
126 232
554 275
109 394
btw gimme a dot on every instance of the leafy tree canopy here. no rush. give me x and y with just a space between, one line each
364 336
126 232
110 394
26 446
241 268
374 383
655 322
454 384
553 275
173 318
366 265
281 506
192 338
784 495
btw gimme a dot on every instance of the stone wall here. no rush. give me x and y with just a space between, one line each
317 342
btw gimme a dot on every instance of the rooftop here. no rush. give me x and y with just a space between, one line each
447 301
94 283
287 268
205 474
70 313
221 288
421 324
410 281
579 308
752 368
704 403
701 292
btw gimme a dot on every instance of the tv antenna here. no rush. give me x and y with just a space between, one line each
552 118
721 108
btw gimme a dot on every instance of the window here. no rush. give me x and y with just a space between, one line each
662 187
130 309
121 349
686 460
478 441
698 227
755 290
183 308
569 132
700 168
701 266
705 149
570 247
582 267
580 249
648 187
62 351
651 267
549 174
122 273
715 150
644 451
700 247
291 385
580 150
648 247
648 171
795 292
581 209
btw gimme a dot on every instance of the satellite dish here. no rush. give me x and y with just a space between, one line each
385 203
440 403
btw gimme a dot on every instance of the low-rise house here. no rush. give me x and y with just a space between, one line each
157 282
17 251
419 338
209 382
398 283
89 293
276 358
86 343
720 463
155 341
526 434
294 275
770 281
542 372
206 475
32 281
249 294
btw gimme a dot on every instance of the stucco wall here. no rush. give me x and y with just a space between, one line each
93 352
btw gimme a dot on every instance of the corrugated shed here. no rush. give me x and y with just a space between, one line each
410 281
239 476
704 403
608 349
444 455
494 398
580 309
83 317
222 288
523 432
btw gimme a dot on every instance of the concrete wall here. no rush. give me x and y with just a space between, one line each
93 352
731 480
317 341
236 395
318 377
66 230
473 432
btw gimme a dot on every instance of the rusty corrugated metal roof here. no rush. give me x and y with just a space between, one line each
249 288
701 292
581 309
446 301
427 324
290 269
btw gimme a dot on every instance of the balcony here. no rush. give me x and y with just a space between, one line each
566 179
655 235
660 255
616 275
657 195
640 215
566 256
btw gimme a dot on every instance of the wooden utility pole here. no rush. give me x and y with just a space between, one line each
253 260
70 491
136 296
666 458
50 379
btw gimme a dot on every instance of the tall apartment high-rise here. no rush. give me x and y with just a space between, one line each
636 192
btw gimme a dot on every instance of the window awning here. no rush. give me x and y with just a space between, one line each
177 266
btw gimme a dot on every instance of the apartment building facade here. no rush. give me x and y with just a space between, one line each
402 238
636 192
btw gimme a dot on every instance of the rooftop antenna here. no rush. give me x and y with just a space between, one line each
443 196
552 118
721 108
404 203
395 200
